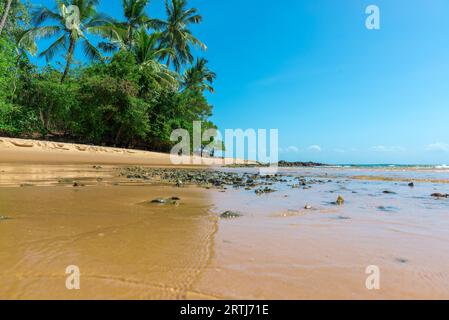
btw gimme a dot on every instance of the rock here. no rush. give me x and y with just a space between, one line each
159 201
440 195
230 215
308 207
286 164
340 201
179 184
401 260
389 192
26 185
75 184
411 184
172 200
264 191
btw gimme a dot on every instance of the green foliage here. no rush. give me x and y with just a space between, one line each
130 99
7 65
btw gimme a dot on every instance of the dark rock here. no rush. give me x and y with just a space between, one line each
287 164
387 209
440 195
26 185
164 201
389 192
401 260
230 215
264 191
411 184
159 201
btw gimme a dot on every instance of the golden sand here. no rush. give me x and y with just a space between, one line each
128 248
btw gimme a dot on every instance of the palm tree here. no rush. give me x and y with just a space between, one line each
134 11
121 34
73 20
147 52
199 77
176 35
5 15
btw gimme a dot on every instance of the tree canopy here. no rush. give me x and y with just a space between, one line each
139 83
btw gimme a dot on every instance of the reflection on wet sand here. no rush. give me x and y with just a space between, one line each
294 243
123 249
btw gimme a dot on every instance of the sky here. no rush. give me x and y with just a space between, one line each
336 91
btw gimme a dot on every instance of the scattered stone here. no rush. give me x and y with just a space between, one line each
401 260
221 180
26 185
343 218
440 195
264 191
172 200
77 184
340 201
387 209
308 207
411 185
230 215
159 201
389 192
287 164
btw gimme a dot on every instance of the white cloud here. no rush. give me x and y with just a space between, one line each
438 147
387 149
291 149
315 148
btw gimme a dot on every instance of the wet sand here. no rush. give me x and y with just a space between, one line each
124 248
129 249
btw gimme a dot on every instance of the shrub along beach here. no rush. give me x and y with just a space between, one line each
138 81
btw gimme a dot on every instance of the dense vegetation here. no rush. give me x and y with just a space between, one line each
140 83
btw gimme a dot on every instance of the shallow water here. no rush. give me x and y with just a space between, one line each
127 249
280 250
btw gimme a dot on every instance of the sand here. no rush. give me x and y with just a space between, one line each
127 248
47 152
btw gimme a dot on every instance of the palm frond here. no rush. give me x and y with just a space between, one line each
90 50
40 15
56 46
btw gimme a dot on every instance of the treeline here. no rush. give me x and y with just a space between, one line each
140 84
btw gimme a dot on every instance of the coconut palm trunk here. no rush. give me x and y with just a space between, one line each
5 15
69 59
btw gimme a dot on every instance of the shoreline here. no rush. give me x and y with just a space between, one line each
222 233
25 151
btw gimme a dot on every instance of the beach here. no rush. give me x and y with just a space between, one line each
136 232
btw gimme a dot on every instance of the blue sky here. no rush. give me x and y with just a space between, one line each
337 92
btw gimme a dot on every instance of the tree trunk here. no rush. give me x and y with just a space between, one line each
5 15
69 59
